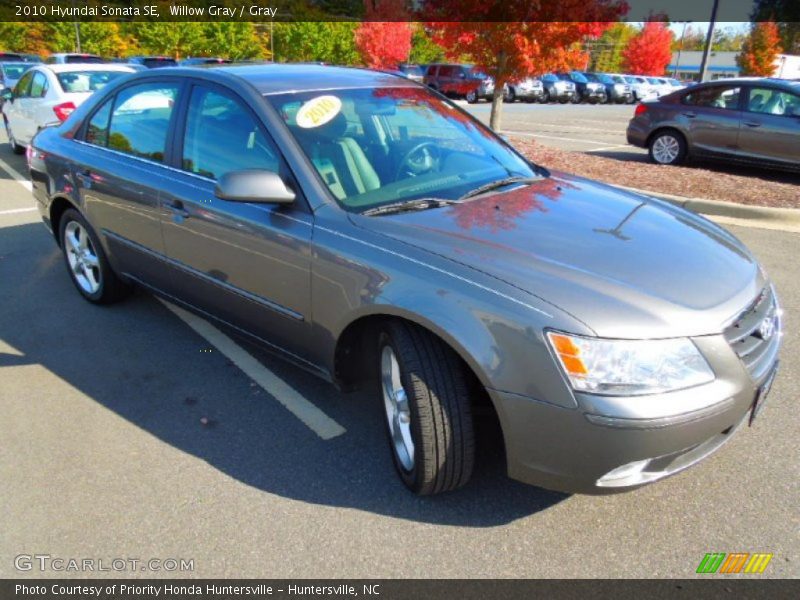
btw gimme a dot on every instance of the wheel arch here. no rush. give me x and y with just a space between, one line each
59 204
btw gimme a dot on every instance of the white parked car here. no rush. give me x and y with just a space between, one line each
642 89
661 85
47 94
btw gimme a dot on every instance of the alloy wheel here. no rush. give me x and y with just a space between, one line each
398 413
82 257
666 149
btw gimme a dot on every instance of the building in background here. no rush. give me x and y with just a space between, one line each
787 66
721 65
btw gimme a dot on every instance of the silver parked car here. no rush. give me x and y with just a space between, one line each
752 121
374 233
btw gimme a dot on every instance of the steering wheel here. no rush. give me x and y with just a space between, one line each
422 158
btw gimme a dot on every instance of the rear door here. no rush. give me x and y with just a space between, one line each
712 116
119 168
15 109
248 264
771 125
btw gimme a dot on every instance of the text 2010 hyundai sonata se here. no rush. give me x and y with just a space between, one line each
365 228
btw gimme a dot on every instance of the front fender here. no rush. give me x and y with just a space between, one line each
495 328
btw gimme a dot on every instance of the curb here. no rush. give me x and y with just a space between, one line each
787 219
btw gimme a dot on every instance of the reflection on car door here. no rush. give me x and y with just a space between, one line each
119 169
712 116
246 263
771 126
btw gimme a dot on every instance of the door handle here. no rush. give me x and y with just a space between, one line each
752 124
179 213
690 115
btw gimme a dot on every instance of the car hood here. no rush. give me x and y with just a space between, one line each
625 265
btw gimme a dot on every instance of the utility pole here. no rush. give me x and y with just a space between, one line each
709 40
680 50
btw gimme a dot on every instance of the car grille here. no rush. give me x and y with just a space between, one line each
755 334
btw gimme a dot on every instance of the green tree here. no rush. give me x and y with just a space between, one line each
169 38
232 39
305 41
423 49
104 38
606 52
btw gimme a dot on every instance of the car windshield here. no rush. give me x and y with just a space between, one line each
373 147
578 77
618 78
73 82
14 70
411 70
653 80
549 77
630 79
605 78
84 58
675 82
159 62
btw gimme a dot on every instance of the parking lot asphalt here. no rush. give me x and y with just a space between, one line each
126 433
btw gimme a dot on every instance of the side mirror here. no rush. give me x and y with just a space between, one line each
253 185
7 94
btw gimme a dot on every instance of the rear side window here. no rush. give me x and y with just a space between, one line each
97 129
222 136
23 86
38 85
140 120
725 97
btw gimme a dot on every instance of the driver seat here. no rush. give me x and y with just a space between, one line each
340 160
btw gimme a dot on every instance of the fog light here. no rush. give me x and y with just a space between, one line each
628 474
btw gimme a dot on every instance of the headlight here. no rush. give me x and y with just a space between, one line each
629 367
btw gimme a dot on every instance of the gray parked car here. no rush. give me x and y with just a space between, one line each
367 229
748 120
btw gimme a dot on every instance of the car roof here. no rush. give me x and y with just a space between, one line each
283 78
69 67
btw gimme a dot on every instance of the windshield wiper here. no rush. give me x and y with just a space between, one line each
406 205
498 184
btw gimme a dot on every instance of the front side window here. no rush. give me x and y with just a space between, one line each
222 136
140 120
770 101
724 97
378 146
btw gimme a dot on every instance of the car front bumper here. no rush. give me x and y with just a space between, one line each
613 444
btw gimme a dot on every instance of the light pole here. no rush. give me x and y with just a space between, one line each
709 39
77 30
680 49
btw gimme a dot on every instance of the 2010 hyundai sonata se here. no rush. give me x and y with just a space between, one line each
367 229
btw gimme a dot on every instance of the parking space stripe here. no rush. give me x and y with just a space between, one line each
291 399
14 211
553 137
15 175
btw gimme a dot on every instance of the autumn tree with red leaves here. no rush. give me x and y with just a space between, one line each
527 38
384 39
760 50
649 52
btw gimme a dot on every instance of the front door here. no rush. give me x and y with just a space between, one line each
771 126
248 264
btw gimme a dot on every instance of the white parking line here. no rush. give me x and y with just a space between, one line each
15 175
14 211
614 147
553 137
291 399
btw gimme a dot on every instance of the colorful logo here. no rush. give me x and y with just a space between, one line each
736 562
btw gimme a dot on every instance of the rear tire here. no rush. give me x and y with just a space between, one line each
667 147
510 96
424 390
472 97
12 141
86 262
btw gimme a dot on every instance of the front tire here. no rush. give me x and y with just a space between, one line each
87 264
510 96
424 389
472 97
667 147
